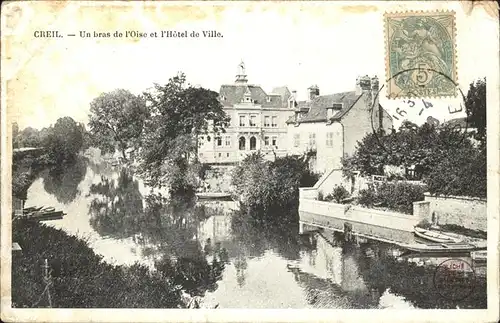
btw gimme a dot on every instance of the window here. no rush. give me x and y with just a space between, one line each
267 121
219 141
253 143
227 155
296 140
208 138
242 121
228 141
266 141
252 121
275 141
329 139
275 122
220 155
241 143
268 99
312 139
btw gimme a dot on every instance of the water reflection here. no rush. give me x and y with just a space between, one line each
63 181
213 251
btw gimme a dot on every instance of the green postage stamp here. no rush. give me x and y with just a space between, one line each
420 54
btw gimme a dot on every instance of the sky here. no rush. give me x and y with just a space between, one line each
295 44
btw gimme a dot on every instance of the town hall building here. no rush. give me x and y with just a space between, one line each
258 123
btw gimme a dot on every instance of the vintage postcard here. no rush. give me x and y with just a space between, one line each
250 161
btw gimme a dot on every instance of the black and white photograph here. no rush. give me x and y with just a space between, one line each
250 161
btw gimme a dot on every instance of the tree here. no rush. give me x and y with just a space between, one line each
475 106
117 120
64 140
15 134
29 137
179 114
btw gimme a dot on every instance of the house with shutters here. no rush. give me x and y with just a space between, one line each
331 125
258 123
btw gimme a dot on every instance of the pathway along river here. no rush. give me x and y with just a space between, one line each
112 210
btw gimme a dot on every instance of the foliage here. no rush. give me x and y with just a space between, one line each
270 188
80 278
340 193
368 197
117 120
444 158
462 173
61 142
179 113
15 134
64 140
475 106
400 196
397 196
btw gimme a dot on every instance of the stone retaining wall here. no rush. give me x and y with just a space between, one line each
459 210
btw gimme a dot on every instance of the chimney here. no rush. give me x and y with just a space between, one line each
329 113
365 84
292 99
375 101
313 92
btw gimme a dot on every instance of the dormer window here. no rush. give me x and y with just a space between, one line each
268 99
291 104
223 98
248 99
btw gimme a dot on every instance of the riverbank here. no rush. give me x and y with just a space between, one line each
80 277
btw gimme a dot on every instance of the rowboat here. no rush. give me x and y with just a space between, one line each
213 196
46 216
440 248
32 208
435 236
48 209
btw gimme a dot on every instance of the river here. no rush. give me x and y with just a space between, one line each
116 213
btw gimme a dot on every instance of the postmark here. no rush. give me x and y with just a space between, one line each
420 54
412 105
454 279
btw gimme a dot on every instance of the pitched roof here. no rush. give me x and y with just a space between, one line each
284 92
234 94
458 122
317 107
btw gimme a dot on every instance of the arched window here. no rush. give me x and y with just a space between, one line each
241 142
253 143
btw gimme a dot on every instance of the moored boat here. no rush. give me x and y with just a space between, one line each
213 196
440 248
48 209
435 236
33 208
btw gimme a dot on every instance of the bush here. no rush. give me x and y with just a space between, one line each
400 196
463 173
368 197
268 189
339 193
397 196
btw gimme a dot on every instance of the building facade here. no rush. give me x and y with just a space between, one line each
258 123
331 125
